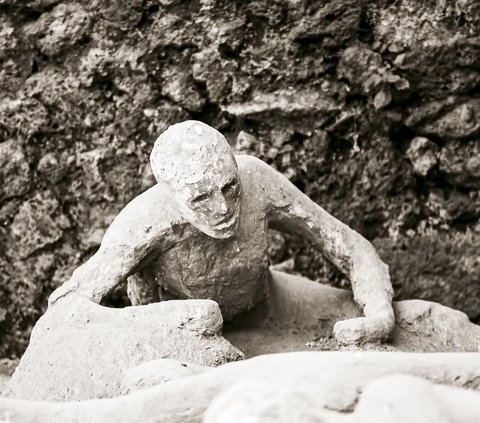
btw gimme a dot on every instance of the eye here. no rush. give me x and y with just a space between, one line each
230 186
199 198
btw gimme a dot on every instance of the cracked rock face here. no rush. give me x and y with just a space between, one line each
460 162
324 90
59 29
14 171
423 154
447 120
39 223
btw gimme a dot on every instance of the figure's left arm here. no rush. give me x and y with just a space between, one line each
289 210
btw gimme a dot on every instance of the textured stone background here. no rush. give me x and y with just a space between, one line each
370 107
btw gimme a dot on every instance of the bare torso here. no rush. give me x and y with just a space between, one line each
233 272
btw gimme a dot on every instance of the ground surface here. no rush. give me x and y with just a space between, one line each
297 316
370 107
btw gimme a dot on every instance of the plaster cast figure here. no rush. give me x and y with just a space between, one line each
201 232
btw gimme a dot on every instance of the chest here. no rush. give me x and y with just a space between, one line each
199 256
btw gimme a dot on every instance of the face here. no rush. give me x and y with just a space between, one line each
212 203
196 164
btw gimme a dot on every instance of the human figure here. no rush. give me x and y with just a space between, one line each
201 232
394 398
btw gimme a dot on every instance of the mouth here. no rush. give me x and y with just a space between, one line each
225 223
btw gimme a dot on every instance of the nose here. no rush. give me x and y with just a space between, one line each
220 204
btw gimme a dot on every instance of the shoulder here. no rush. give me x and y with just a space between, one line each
252 170
267 183
252 166
246 160
249 171
260 181
262 173
147 215
150 201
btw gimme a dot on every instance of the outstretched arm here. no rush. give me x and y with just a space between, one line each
136 232
289 210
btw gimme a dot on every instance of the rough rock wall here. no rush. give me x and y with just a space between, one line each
370 107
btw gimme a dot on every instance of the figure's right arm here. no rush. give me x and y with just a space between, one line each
136 232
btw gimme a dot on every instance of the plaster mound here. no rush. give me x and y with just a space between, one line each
335 379
80 350
392 399
156 372
300 315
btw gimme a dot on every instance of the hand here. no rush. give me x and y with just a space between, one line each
373 328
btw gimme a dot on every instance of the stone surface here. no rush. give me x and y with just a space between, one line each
22 117
106 91
333 24
14 171
423 154
123 14
39 223
426 36
80 350
209 69
180 87
334 380
426 326
36 5
448 120
359 66
59 29
460 162
395 21
426 275
283 104
9 41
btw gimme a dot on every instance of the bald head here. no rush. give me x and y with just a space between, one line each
195 162
188 151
